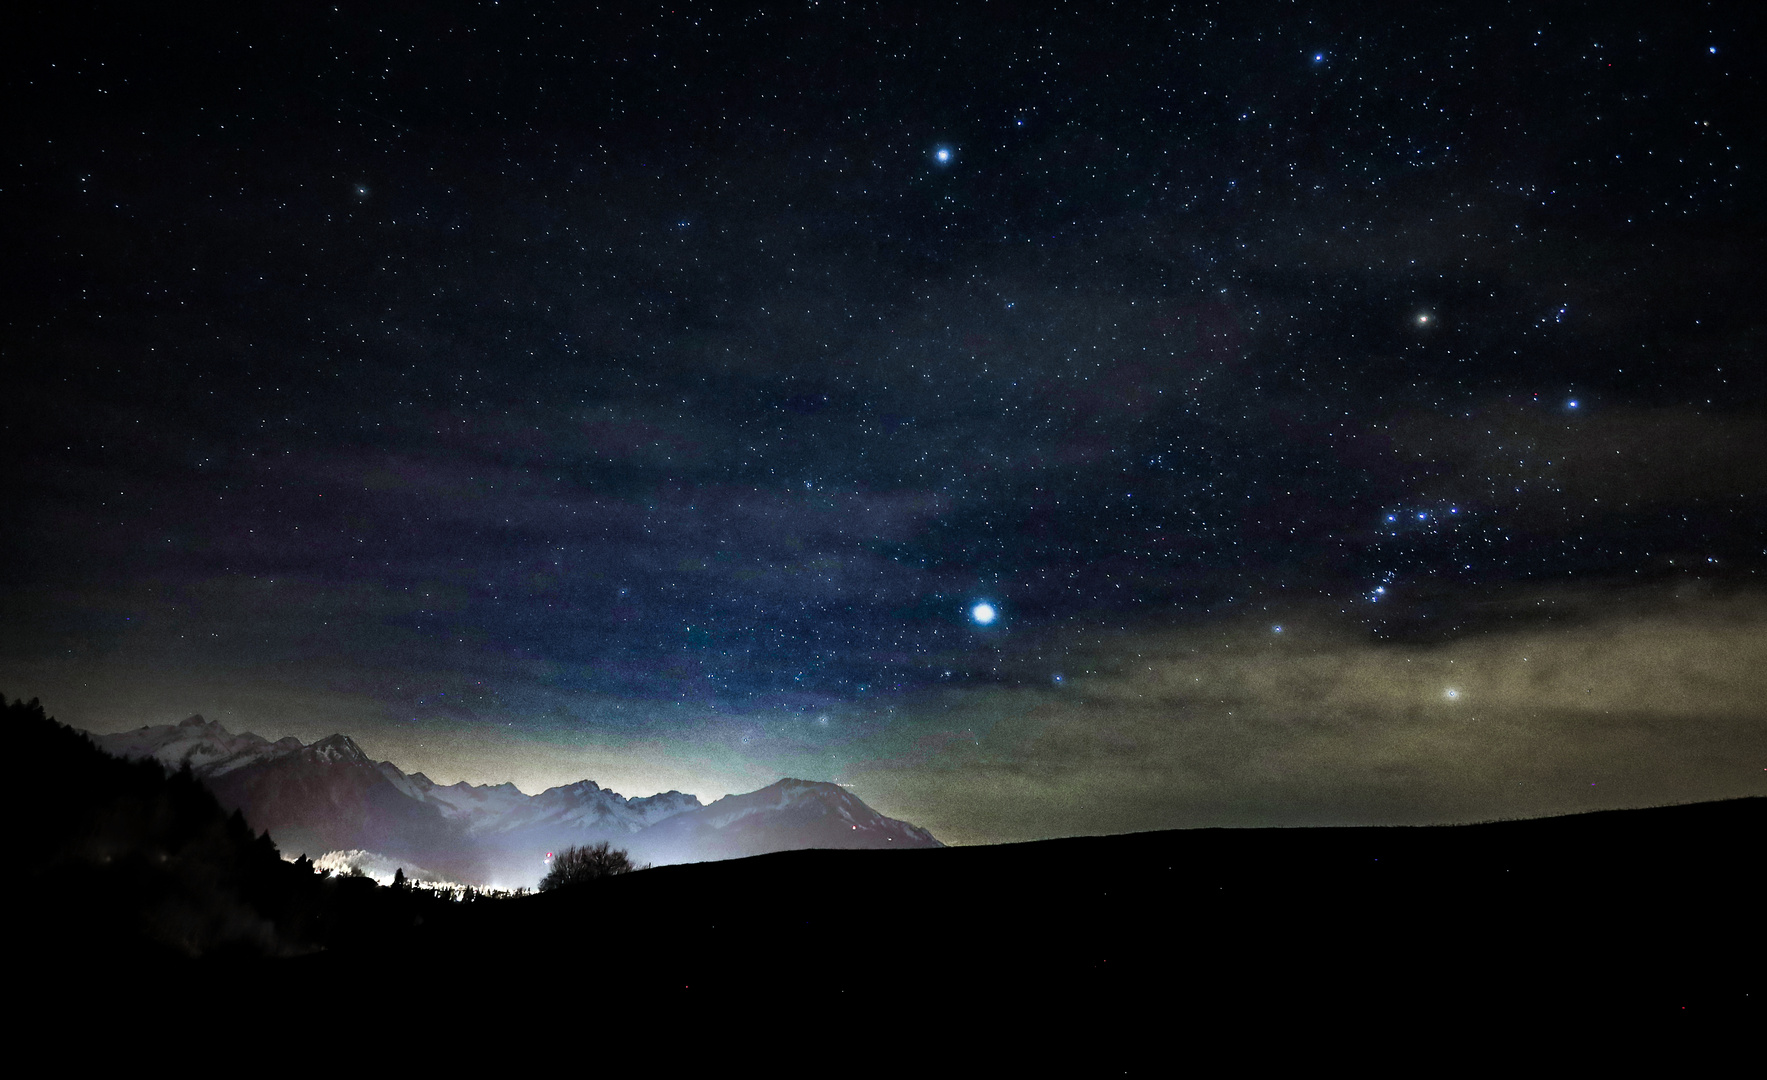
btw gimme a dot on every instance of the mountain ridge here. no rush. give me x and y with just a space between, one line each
330 795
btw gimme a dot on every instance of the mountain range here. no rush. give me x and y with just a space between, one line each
330 796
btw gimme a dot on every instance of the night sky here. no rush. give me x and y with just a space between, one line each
1349 413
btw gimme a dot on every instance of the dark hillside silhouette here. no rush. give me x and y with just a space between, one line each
126 863
120 857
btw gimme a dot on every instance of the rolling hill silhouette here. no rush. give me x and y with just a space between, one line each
1590 918
1647 915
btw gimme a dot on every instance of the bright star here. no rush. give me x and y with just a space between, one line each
983 613
942 155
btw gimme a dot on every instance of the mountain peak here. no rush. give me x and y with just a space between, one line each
339 748
786 814
193 720
791 785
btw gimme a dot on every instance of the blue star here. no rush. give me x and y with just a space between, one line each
983 613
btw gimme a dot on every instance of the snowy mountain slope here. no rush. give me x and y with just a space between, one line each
584 806
478 807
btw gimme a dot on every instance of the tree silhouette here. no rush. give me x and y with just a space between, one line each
586 863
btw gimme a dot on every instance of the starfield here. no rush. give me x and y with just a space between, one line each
804 469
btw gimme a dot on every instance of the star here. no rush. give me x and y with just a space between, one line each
983 613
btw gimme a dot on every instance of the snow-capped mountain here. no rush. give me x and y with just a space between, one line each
582 806
210 749
330 796
785 816
324 797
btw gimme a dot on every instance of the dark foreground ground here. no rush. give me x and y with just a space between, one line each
1595 932
1647 912
1646 922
